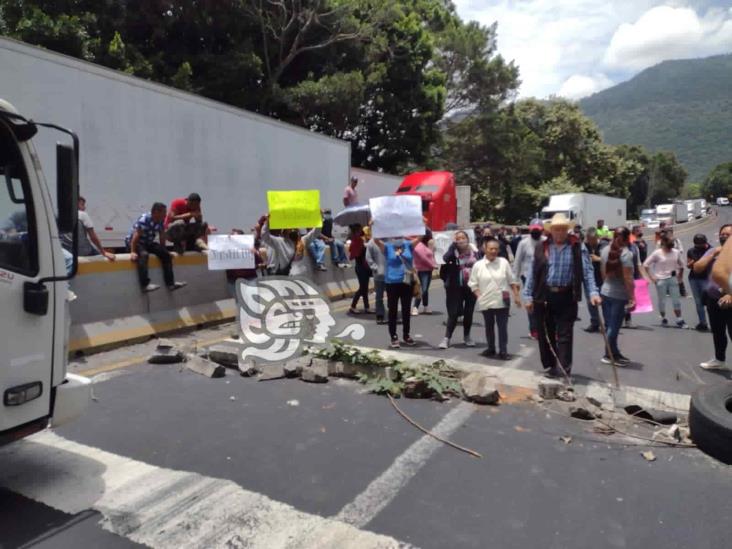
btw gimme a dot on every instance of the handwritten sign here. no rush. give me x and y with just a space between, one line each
443 239
294 209
397 215
230 252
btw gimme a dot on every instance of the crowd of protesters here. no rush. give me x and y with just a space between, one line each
546 269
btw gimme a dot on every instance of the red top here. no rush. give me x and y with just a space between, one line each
357 249
177 207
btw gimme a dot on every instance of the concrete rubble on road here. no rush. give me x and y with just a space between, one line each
166 353
317 372
226 355
293 368
479 388
247 367
204 367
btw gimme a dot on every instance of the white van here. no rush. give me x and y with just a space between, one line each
36 390
722 201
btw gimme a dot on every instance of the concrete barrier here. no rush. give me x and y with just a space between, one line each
110 309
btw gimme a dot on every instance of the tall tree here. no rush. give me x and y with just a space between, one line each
719 181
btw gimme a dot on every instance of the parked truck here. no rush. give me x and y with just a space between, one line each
586 209
672 213
36 388
146 142
694 209
442 201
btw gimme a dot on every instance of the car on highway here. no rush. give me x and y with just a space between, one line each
722 201
648 218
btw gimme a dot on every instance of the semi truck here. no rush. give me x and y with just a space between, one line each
586 209
36 389
443 202
145 142
672 213
694 209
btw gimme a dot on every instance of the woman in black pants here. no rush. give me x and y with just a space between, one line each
719 305
399 282
459 260
357 252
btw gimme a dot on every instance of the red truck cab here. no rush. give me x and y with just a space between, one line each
439 200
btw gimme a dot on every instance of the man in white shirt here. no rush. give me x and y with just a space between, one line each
89 244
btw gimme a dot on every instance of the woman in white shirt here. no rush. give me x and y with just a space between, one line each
665 268
492 282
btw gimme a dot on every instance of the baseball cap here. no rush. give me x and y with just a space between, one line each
536 225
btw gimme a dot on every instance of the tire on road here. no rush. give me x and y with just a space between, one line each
710 420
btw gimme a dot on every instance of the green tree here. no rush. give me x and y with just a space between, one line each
719 181
667 178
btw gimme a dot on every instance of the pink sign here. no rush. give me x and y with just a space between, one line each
643 303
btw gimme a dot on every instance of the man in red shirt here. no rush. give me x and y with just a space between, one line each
184 224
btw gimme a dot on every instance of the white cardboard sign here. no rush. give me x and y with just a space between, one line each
396 216
235 251
443 239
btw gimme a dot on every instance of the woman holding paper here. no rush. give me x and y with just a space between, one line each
617 291
399 279
459 260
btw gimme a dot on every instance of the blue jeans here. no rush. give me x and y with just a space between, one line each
593 310
425 277
670 286
379 289
614 311
317 251
338 252
697 286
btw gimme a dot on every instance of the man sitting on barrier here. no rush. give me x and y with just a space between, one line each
184 224
141 243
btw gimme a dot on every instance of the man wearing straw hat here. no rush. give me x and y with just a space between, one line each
558 270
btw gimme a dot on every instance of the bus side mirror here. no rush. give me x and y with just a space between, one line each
67 187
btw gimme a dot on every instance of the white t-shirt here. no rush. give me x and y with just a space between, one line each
491 278
85 246
663 264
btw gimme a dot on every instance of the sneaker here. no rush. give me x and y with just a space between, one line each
622 359
713 364
681 324
426 311
353 311
504 356
150 288
445 343
701 327
321 267
394 343
409 342
177 286
469 342
664 321
488 353
606 360
628 324
592 329
380 320
415 311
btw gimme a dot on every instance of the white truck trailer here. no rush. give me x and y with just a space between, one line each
694 209
144 142
672 213
586 209
36 389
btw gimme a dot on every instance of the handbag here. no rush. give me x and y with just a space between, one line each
411 279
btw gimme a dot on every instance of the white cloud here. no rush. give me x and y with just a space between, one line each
578 86
560 45
664 32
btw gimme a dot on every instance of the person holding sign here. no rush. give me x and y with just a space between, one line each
399 279
458 263
232 275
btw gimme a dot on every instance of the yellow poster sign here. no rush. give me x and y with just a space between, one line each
294 209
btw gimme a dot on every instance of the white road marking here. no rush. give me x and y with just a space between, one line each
162 507
386 486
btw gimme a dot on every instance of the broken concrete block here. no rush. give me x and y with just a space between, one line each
166 354
205 367
549 388
272 371
294 367
226 355
581 413
165 344
416 388
479 388
317 372
248 367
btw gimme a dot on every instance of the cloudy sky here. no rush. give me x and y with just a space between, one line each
575 48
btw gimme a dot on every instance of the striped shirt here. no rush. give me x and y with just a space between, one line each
149 230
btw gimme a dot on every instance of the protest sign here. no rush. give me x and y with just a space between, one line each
643 303
294 209
234 251
397 215
443 239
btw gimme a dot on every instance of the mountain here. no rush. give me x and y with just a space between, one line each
682 106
